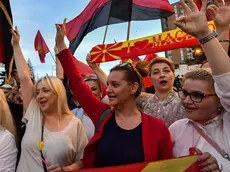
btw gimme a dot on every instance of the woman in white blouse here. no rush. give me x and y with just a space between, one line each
206 98
8 149
54 139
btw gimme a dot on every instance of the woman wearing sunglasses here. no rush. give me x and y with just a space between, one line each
54 139
206 98
126 135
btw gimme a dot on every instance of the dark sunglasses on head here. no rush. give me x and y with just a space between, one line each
127 64
89 78
195 96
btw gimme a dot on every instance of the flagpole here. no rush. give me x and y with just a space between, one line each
107 25
128 31
129 22
106 30
52 57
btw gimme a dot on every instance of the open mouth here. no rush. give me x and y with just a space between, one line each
111 97
163 82
190 109
42 103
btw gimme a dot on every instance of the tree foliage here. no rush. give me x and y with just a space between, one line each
31 67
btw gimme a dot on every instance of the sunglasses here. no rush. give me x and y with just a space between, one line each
195 96
89 78
127 64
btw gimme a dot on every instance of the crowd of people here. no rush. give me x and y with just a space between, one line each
54 126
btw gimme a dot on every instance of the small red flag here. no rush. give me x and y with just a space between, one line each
40 46
149 57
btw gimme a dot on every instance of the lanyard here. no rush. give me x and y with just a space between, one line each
41 146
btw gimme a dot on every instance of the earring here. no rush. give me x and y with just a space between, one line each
219 110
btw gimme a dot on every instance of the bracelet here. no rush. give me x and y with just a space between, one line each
226 40
208 38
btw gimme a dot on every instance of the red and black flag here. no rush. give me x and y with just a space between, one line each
100 13
41 46
6 49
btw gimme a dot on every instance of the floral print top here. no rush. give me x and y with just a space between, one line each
168 110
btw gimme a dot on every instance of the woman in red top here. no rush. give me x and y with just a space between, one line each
126 135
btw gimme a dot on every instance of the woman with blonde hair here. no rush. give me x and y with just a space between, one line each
205 95
54 139
8 149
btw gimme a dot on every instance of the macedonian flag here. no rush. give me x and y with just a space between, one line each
185 164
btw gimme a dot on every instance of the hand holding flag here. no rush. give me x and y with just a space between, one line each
207 162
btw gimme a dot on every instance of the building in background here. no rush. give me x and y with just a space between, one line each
179 56
182 55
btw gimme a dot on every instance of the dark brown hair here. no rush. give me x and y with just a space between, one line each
161 60
132 74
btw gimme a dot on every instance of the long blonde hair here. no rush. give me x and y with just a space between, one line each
57 87
6 119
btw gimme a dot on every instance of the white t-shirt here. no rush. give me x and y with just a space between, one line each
86 121
63 148
8 151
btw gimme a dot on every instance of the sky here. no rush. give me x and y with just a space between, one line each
33 15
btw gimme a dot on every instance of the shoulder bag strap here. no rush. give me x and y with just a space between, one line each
211 142
101 119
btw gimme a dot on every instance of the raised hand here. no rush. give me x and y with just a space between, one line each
60 36
221 14
88 60
15 37
194 22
